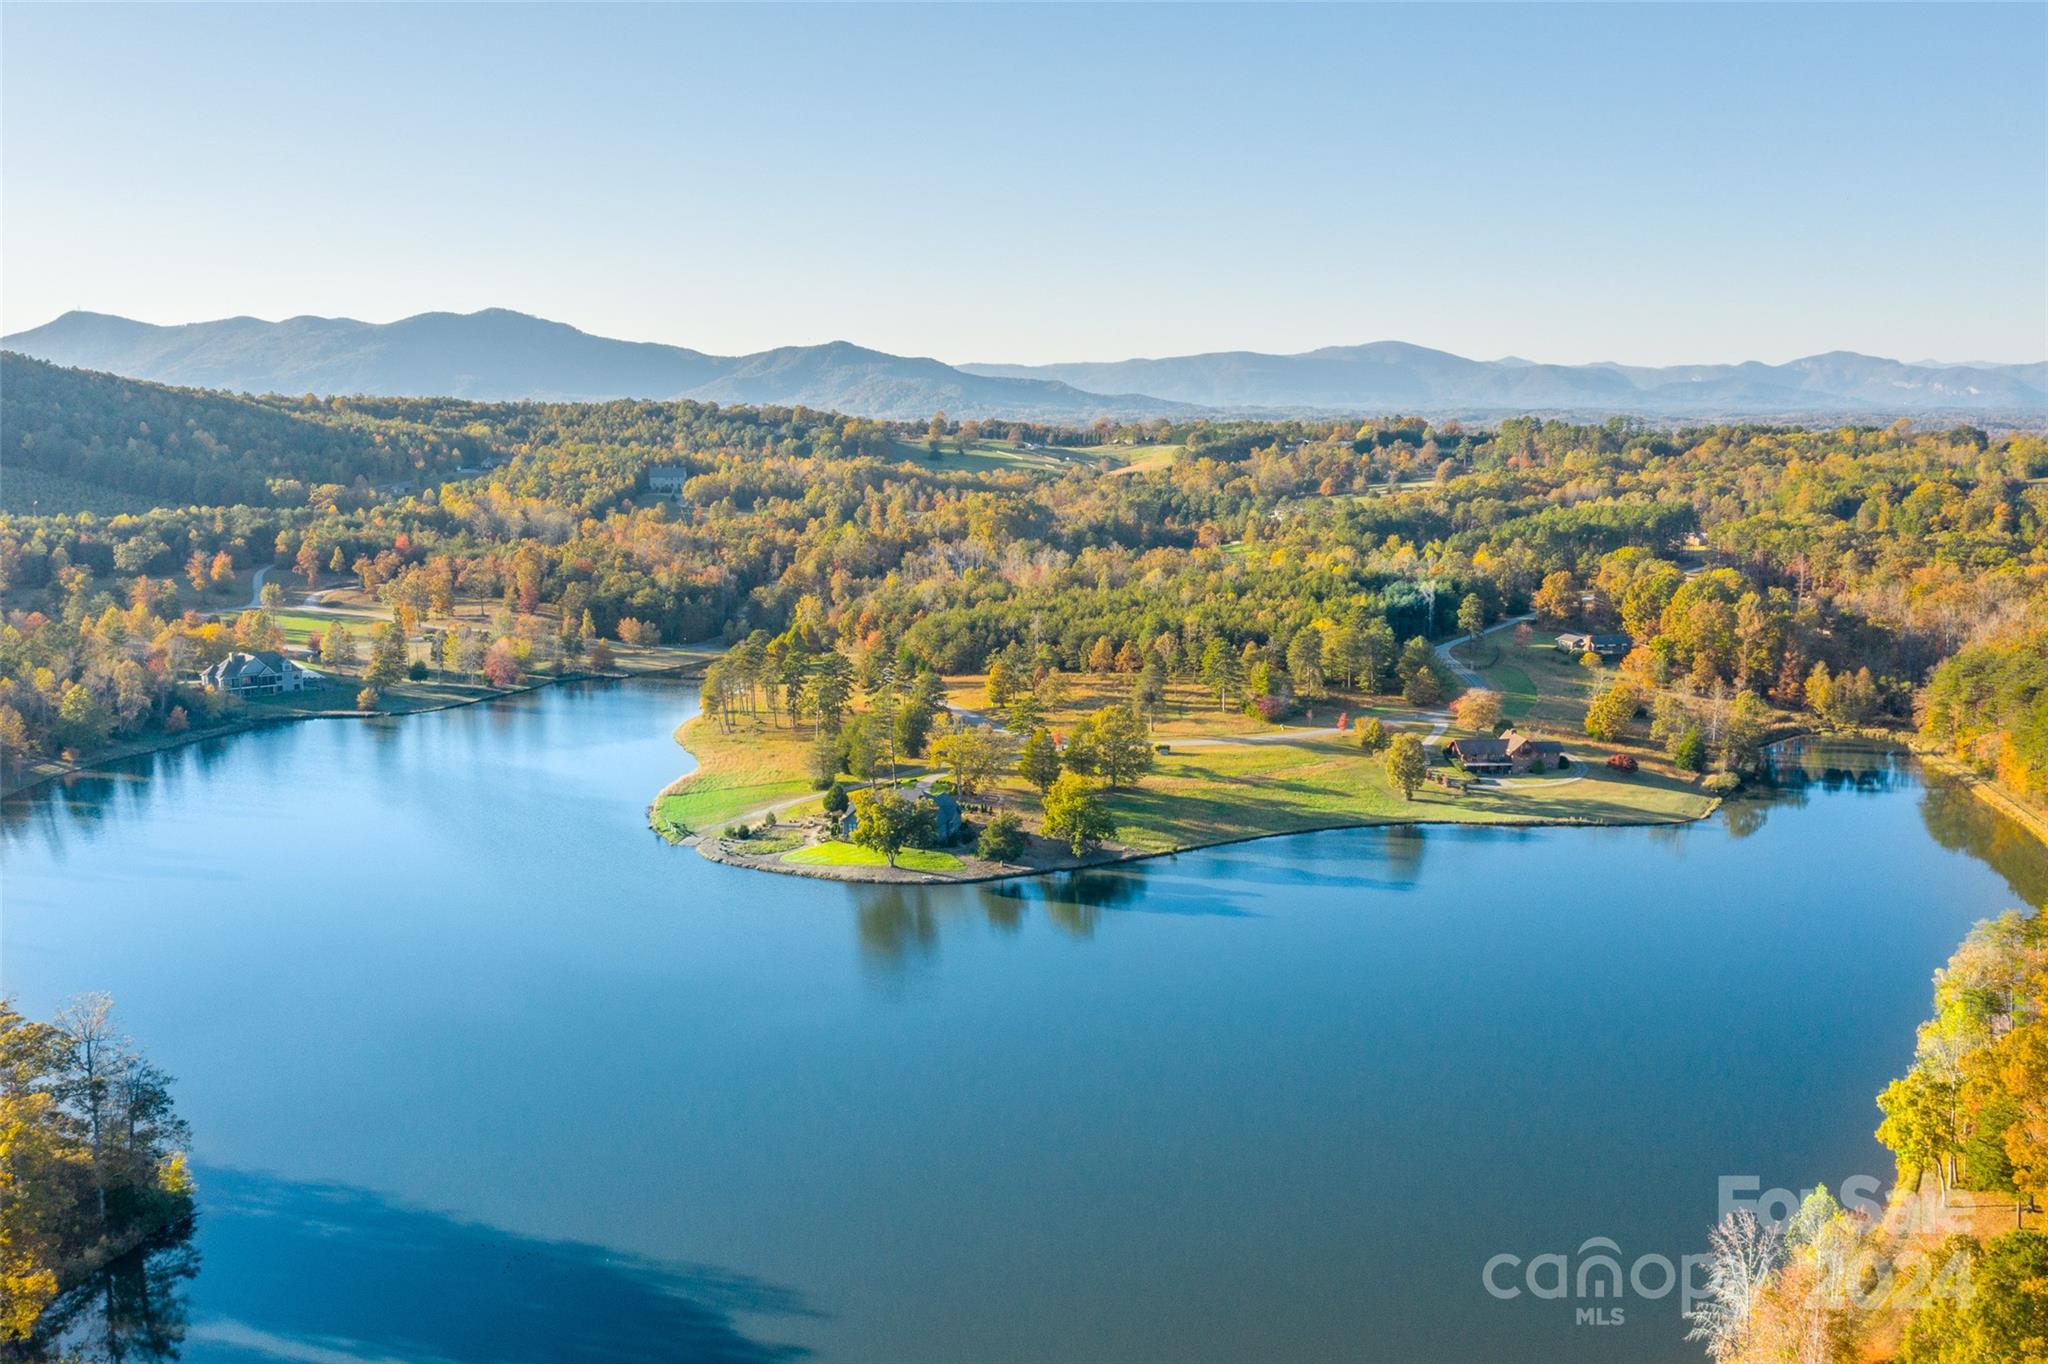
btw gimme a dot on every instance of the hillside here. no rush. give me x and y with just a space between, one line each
497 355
79 441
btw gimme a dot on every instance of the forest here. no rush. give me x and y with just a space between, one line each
1846 578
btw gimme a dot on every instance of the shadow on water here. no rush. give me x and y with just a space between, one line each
326 1272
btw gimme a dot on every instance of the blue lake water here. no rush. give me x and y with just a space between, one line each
478 1069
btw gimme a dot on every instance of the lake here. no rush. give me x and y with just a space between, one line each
478 1069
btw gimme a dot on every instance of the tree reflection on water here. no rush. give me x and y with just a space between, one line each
134 1307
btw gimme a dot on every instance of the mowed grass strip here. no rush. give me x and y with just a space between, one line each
838 854
1217 794
738 771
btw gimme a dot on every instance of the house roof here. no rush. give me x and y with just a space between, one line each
1507 747
237 665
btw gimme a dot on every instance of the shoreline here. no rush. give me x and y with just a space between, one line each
2033 821
900 876
711 846
55 769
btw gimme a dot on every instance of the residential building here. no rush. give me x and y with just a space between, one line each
263 673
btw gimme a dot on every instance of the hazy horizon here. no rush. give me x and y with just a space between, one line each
687 343
1647 185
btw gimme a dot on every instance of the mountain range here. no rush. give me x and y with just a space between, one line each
500 355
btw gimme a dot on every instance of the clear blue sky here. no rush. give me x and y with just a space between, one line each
1646 183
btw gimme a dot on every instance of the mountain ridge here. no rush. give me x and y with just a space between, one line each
498 354
501 354
1426 380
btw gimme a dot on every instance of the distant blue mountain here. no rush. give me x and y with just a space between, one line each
498 354
1394 376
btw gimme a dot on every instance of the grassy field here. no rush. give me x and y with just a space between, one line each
1214 794
738 771
1223 776
1540 685
298 626
1191 711
837 854
1142 459
982 456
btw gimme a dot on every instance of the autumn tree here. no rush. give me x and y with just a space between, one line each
94 1156
1609 715
975 753
501 664
888 822
1557 600
387 655
1406 764
1075 813
1122 753
338 645
1478 710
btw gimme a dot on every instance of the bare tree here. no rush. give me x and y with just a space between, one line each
1744 1255
99 1056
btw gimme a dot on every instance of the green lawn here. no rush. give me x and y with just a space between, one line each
1207 794
1539 684
297 626
738 771
837 854
980 456
1213 794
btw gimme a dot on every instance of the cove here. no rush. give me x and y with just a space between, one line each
479 1069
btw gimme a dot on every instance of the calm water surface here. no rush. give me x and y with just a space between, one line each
479 1070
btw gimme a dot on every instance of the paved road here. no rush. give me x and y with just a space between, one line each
1463 673
1441 721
